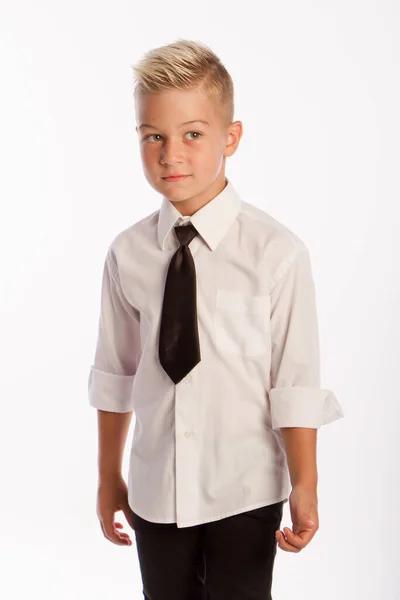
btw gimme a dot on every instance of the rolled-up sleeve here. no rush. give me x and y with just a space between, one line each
118 348
296 397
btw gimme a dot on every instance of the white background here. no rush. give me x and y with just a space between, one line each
317 89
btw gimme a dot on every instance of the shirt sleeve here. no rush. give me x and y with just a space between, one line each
118 346
296 397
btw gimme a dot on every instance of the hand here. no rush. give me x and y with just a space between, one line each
303 504
112 495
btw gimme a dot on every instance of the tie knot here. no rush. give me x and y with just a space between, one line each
185 233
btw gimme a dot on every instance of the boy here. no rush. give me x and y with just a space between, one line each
208 331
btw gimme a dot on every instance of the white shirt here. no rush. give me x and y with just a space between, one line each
210 446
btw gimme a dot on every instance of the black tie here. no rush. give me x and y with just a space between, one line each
179 347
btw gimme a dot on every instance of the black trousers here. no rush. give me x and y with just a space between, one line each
228 559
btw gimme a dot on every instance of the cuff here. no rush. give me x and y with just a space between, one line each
299 406
110 392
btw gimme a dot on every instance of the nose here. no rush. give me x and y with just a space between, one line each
171 152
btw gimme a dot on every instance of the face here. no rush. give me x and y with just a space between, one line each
174 140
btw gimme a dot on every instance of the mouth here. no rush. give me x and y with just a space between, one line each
173 178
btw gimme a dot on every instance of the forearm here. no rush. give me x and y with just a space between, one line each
112 433
301 455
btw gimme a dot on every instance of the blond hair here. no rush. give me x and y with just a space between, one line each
186 65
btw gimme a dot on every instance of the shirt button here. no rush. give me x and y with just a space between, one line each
188 433
187 379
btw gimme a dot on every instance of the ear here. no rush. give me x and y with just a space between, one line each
233 137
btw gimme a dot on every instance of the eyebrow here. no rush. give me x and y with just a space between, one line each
185 123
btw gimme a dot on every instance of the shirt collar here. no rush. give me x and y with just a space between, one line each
212 221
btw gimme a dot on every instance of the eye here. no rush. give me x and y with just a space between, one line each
151 135
196 133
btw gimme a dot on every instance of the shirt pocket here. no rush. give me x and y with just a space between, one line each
242 323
